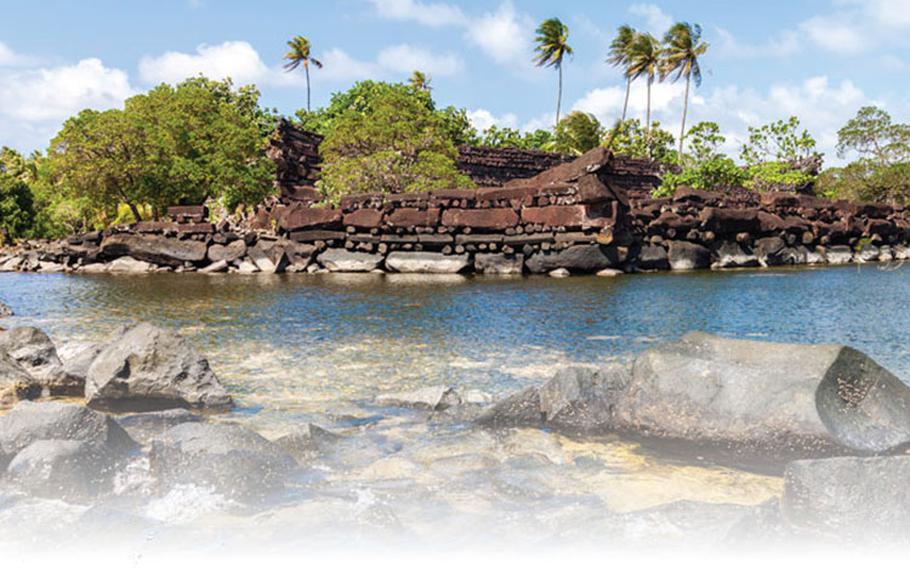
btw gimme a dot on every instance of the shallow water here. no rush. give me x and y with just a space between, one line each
302 348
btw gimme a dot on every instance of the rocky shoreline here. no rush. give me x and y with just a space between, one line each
830 420
574 218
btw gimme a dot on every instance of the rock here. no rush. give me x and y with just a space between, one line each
815 257
840 254
28 422
341 260
519 409
247 267
885 254
229 253
94 268
684 255
499 264
559 273
234 461
653 257
63 469
147 426
50 267
215 267
765 399
77 365
35 352
155 249
309 441
732 255
900 252
148 368
610 273
427 262
270 261
868 253
126 264
427 398
15 382
848 498
5 311
770 251
576 258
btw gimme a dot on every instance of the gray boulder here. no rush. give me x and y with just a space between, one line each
147 426
499 263
309 441
868 253
35 352
148 368
235 462
428 398
769 399
128 265
5 311
575 400
28 422
839 254
156 249
341 260
63 469
15 382
229 253
861 499
771 251
427 262
576 258
684 255
653 257
732 255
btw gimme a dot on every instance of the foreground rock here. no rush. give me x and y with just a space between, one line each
235 462
29 422
63 469
309 441
756 397
863 499
429 398
34 351
15 382
767 401
148 368
145 427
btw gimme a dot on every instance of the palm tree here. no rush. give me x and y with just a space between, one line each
299 53
645 60
683 48
552 47
620 53
420 81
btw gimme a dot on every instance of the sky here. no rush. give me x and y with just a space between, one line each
818 59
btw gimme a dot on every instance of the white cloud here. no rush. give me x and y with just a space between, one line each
836 33
656 20
235 59
9 58
407 58
34 102
339 66
504 35
483 119
428 14
606 103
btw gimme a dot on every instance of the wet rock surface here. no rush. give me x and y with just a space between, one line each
34 351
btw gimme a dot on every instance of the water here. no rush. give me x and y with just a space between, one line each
299 348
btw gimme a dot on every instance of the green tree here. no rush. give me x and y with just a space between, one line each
17 210
683 48
872 135
392 143
577 133
420 81
620 55
704 167
299 54
504 137
705 141
628 138
552 47
645 60
780 141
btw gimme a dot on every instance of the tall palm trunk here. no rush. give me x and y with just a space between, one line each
559 96
682 128
306 69
625 104
648 117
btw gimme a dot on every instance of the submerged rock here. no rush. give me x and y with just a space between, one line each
427 398
766 398
5 311
233 461
849 498
307 442
148 368
28 422
63 469
35 352
146 426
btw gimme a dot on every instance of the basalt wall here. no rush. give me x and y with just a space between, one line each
592 214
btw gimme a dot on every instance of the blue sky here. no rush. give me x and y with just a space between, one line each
818 59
